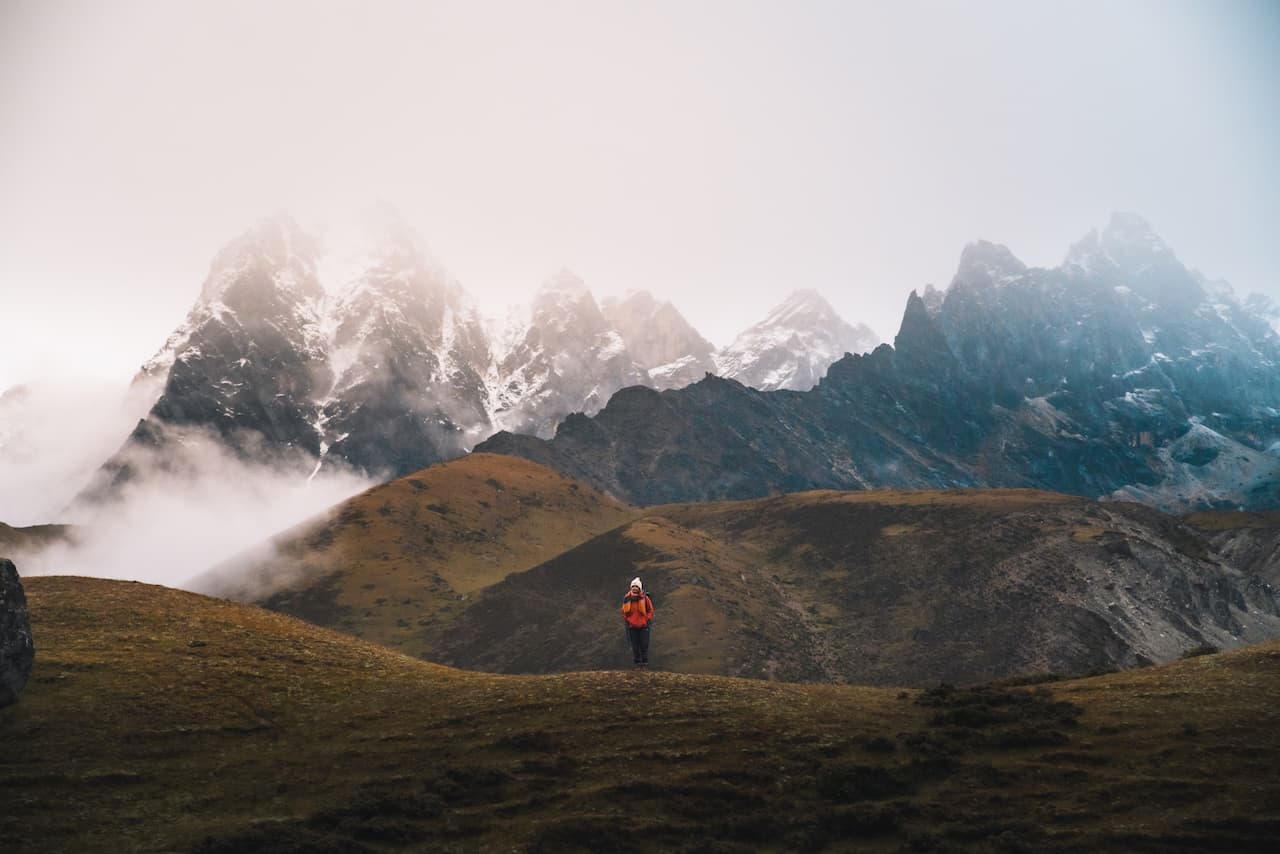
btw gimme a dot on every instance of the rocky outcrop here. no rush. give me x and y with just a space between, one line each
17 650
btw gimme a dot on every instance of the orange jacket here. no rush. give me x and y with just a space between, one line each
637 610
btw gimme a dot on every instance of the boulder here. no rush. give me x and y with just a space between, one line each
17 651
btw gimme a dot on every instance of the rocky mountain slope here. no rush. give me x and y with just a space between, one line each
1120 372
1250 541
149 700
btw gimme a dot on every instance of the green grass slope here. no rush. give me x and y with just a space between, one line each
159 720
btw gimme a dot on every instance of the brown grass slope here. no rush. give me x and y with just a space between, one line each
877 587
159 720
380 563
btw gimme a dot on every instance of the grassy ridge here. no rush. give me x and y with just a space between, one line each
382 563
159 720
880 587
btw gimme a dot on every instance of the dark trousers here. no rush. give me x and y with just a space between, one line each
639 640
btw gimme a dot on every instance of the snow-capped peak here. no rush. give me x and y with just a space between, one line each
793 346
801 307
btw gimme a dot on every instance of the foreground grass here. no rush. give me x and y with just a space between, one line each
159 720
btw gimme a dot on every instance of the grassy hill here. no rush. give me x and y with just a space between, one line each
875 587
383 562
492 562
159 720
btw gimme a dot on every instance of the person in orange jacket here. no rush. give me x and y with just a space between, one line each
637 612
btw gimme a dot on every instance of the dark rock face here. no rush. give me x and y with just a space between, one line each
17 650
1119 373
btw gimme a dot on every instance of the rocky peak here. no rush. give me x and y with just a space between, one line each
793 346
275 255
657 335
983 262
919 340
802 307
1128 245
1130 234
564 298
563 285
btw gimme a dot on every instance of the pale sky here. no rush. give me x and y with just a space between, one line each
718 154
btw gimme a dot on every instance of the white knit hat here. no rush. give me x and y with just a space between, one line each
635 582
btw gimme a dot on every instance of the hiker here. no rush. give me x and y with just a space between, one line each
637 611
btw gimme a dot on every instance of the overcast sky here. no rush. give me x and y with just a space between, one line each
719 154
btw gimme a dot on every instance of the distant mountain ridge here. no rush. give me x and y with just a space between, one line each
376 359
1119 373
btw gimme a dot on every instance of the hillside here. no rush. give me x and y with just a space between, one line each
494 563
875 587
380 563
160 720
16 541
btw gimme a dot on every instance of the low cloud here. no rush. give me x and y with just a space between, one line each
191 504
54 434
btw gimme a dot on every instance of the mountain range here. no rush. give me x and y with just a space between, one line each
1120 373
374 358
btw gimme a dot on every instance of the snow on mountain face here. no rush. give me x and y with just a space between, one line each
408 353
660 339
793 346
366 353
252 351
566 359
